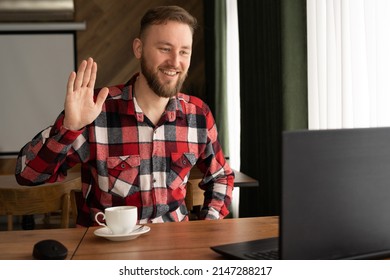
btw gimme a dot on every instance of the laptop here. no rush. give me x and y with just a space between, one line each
335 198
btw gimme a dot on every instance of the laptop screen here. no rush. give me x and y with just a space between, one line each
335 193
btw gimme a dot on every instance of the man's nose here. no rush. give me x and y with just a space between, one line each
174 59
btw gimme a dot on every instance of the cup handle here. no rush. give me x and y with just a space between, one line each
104 218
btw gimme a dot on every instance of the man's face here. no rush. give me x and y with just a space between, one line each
166 56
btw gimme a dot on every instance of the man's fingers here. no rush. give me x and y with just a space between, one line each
101 97
92 78
87 73
80 75
70 85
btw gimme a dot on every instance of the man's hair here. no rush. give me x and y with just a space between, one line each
163 14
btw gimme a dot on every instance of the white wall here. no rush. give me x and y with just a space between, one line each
34 70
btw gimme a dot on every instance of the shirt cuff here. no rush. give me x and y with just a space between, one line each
66 136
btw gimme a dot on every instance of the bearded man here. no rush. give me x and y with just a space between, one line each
137 142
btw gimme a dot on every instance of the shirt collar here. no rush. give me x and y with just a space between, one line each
173 109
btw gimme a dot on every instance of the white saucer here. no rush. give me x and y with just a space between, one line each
106 233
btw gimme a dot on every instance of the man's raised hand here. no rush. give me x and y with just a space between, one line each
80 106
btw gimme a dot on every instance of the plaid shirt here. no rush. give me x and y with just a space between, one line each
126 160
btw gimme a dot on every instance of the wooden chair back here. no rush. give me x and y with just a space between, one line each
7 165
194 198
47 198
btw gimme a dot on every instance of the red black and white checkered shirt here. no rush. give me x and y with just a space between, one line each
126 160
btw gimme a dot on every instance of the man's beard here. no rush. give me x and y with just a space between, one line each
161 90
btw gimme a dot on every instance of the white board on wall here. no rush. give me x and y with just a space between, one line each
34 69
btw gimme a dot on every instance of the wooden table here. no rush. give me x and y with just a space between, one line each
172 241
167 241
240 179
73 180
9 181
18 245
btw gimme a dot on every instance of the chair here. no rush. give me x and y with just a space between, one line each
194 198
7 166
43 199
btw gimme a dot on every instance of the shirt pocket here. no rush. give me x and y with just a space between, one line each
180 166
123 174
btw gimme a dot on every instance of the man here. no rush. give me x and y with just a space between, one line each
136 142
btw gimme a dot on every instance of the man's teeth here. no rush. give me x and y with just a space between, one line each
169 73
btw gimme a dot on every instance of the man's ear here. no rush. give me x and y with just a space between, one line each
137 48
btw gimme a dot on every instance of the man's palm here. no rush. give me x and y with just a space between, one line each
80 106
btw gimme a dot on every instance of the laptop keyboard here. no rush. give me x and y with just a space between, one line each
264 255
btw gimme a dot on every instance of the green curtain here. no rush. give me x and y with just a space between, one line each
273 72
273 93
215 48
294 64
261 103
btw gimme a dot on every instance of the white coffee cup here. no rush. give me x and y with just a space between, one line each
119 219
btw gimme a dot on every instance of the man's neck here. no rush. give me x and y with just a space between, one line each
151 104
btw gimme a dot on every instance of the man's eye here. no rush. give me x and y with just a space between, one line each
165 49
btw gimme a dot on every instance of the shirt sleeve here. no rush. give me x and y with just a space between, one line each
49 154
218 180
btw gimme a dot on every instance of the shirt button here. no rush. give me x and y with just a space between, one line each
123 165
184 162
